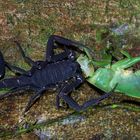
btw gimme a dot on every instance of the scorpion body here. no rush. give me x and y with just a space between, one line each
60 71
47 76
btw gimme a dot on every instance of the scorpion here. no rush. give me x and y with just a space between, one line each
60 71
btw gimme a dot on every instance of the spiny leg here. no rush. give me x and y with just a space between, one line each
9 93
33 99
15 69
27 59
13 91
72 103
87 104
125 63
67 88
2 66
57 101
20 71
58 96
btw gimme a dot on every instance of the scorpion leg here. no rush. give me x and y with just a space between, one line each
18 70
72 103
15 69
27 59
51 45
87 104
13 90
12 68
2 66
33 99
57 101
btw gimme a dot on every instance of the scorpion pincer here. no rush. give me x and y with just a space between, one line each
60 71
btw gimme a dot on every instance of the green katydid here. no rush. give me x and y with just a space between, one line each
115 76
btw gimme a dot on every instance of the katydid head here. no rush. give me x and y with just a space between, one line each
86 65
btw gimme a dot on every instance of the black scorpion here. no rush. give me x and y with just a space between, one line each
58 70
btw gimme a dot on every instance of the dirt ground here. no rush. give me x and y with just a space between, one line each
31 22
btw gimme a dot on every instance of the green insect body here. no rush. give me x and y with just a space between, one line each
117 76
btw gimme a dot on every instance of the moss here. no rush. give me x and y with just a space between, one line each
31 22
